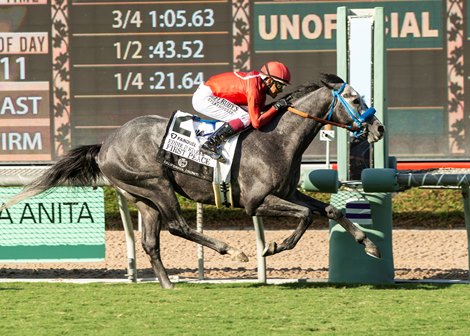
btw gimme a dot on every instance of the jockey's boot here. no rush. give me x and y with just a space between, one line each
213 147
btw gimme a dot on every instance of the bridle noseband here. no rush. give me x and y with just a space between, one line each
358 119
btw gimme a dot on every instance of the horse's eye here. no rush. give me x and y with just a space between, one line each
356 101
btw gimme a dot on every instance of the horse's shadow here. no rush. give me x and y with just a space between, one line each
449 276
395 286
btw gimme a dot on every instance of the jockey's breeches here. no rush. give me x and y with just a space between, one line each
206 103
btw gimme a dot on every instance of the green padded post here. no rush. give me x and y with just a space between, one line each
322 180
379 180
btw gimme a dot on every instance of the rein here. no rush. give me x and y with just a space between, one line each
321 120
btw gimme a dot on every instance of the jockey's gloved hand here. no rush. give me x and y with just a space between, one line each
281 104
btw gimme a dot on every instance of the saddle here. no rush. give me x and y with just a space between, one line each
179 151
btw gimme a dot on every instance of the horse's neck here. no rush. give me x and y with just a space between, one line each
300 129
289 137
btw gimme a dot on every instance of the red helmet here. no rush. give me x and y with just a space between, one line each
277 71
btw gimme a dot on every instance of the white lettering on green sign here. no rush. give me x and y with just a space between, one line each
410 25
312 25
294 27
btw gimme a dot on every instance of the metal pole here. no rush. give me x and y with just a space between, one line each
260 244
130 239
466 205
428 179
342 136
200 248
380 86
139 221
328 154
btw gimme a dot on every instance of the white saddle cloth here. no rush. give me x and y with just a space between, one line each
185 135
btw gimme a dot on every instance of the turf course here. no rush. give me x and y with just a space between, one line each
233 309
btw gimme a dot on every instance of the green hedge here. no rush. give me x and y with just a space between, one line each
414 208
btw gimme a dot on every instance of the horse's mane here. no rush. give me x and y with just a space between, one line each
308 87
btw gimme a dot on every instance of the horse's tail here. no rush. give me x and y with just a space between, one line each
77 168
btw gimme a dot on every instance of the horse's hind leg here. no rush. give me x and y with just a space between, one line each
161 193
178 227
151 226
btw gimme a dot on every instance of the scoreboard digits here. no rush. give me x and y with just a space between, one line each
170 18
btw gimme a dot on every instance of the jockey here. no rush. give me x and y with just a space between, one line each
222 96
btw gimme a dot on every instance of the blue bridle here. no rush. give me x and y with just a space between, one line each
358 119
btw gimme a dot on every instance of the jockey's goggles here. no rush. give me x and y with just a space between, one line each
279 86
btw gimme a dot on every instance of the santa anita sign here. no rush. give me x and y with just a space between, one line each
64 225
312 25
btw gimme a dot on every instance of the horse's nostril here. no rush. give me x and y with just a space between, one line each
381 129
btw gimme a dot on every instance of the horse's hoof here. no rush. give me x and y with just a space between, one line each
270 249
167 286
372 250
239 256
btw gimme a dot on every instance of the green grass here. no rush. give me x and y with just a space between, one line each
248 309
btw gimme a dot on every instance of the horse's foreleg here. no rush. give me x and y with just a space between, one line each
332 213
151 242
336 215
275 206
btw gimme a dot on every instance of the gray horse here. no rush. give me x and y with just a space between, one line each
265 172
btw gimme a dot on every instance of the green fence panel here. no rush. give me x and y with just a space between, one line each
62 224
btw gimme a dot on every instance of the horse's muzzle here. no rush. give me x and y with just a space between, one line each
374 131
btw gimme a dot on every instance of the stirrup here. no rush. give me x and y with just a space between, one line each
214 155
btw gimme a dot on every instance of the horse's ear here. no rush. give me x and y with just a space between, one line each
330 86
329 80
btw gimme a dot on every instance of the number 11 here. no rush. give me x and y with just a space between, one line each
6 68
